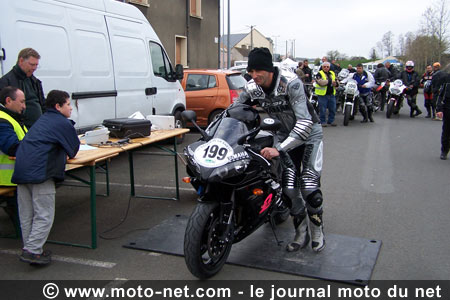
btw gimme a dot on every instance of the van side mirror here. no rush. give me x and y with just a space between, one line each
179 73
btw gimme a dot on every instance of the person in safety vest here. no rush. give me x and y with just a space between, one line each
325 89
282 96
12 131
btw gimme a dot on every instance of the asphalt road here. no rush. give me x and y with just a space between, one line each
381 180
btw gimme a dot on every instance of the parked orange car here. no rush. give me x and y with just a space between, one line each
209 92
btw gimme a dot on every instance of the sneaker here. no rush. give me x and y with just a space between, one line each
444 156
332 124
437 119
36 259
324 125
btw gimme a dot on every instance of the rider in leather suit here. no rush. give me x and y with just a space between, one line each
365 82
282 96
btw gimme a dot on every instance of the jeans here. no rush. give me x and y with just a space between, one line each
327 102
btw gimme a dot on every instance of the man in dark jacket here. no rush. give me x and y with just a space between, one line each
308 72
21 76
40 162
436 82
411 80
381 75
392 69
443 112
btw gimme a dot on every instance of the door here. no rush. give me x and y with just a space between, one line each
201 95
132 71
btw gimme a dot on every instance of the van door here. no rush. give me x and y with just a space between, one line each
132 70
168 88
93 97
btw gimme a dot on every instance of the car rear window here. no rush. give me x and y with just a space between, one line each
236 81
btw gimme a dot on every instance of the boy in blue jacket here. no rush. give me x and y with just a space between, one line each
40 163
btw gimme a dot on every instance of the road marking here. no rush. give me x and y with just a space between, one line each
140 186
72 260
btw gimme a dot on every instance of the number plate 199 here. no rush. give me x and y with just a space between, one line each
213 154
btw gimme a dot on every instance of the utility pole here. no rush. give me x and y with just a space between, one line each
228 42
251 36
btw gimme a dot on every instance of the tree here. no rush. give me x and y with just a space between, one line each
388 42
435 23
401 45
380 49
373 54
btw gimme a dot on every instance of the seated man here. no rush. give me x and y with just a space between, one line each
12 131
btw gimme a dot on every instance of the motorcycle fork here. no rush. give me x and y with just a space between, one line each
226 216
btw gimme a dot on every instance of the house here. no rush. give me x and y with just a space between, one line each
188 29
242 43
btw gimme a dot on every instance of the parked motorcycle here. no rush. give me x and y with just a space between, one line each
340 97
239 190
351 94
312 97
379 94
395 96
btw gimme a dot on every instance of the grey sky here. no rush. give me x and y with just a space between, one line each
352 27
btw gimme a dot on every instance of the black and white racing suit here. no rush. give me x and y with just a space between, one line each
300 126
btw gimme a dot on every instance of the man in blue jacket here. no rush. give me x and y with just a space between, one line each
365 83
40 162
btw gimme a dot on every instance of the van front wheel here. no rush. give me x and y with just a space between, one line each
179 123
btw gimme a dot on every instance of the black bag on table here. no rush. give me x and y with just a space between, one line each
128 127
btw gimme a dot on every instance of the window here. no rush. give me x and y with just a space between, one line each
196 8
140 2
181 50
160 62
197 82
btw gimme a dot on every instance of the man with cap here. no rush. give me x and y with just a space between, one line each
282 96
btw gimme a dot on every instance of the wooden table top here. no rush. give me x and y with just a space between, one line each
89 157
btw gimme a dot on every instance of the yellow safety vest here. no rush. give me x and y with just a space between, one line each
6 164
322 90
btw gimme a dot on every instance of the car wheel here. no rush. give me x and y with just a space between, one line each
213 116
179 123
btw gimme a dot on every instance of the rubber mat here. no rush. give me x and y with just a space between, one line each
344 259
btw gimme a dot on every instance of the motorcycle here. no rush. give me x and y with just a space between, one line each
312 97
340 97
395 95
379 94
351 94
239 190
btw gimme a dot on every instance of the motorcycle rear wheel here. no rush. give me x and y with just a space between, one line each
347 114
205 252
390 109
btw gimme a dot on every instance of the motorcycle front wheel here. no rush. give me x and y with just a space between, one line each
390 109
347 114
205 250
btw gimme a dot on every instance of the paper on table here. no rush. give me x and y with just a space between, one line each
87 147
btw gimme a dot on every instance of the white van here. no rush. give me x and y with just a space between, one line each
104 53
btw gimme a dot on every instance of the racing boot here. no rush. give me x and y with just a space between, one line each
318 239
428 112
364 114
418 112
369 113
301 233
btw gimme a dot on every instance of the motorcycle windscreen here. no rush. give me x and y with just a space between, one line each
230 130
